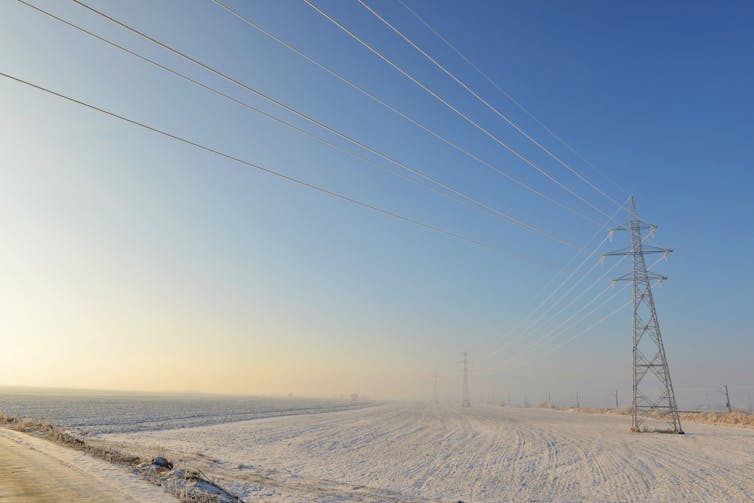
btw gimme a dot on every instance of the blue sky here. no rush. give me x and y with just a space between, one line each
140 253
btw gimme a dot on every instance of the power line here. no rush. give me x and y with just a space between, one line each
486 103
546 300
245 104
542 318
411 120
545 314
252 108
562 327
521 357
587 330
452 108
551 305
580 333
499 213
545 320
278 174
509 97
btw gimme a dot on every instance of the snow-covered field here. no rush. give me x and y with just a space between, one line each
94 413
415 452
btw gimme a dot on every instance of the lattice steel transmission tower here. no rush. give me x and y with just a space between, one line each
653 393
465 402
436 396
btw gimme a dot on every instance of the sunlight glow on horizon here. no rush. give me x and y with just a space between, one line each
131 262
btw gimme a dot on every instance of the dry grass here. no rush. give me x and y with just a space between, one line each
190 486
46 429
735 418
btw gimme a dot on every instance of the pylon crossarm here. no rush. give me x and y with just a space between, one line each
645 369
649 249
642 225
653 276
626 251
625 277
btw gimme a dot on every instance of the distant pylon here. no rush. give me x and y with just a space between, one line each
727 398
465 402
436 399
652 389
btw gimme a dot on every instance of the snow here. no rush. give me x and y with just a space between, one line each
416 452
33 469
92 413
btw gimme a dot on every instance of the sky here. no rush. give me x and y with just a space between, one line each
132 261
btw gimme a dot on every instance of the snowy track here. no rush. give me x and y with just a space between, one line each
401 452
35 470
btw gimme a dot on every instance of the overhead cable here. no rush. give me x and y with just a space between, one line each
451 107
499 213
509 97
547 301
411 120
486 103
277 174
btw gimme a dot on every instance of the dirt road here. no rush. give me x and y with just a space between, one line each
36 470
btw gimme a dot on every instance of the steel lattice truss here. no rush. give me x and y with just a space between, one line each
465 402
653 394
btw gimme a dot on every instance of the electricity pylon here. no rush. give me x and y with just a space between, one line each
436 397
652 389
465 402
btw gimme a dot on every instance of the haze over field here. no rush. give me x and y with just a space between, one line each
134 262
396 251
302 450
425 453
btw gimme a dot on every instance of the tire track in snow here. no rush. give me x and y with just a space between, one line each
415 452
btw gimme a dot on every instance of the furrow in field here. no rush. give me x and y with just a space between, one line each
414 452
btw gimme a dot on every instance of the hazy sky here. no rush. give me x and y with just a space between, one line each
131 261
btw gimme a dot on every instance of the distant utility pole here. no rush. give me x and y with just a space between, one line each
578 405
436 398
549 403
649 360
727 398
616 400
526 401
465 402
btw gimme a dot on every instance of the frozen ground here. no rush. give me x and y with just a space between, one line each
93 413
34 470
402 452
